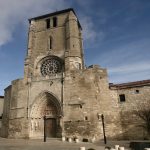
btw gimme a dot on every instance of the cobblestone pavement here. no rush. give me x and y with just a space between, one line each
51 144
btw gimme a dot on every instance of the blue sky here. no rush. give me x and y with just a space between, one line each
116 35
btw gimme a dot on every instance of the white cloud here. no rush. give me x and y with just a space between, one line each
88 28
129 77
14 12
124 53
126 62
130 71
18 11
90 35
131 68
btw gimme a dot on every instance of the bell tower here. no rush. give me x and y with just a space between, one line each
54 52
54 44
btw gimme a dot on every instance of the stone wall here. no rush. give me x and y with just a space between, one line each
81 129
15 109
136 98
87 94
1 110
6 110
1 104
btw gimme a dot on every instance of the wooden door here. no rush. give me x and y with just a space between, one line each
50 127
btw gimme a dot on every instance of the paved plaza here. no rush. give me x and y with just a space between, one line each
51 144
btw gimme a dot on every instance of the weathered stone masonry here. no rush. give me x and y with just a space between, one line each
56 84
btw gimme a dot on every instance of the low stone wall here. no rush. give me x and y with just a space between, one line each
81 129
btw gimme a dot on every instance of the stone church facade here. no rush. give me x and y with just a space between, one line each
72 97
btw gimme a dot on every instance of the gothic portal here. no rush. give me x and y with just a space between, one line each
45 105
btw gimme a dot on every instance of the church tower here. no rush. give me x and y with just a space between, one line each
54 45
54 51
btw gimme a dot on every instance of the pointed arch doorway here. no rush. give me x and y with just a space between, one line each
49 106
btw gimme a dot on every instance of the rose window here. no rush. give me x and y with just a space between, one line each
50 67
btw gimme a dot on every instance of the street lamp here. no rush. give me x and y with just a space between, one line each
101 116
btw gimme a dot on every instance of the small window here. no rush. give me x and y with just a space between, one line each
137 91
86 118
47 23
55 22
122 97
50 42
81 106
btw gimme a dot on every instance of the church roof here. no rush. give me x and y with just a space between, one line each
130 84
55 13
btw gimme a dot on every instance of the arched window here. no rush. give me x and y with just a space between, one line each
50 42
55 22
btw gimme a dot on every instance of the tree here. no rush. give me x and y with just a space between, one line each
142 111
